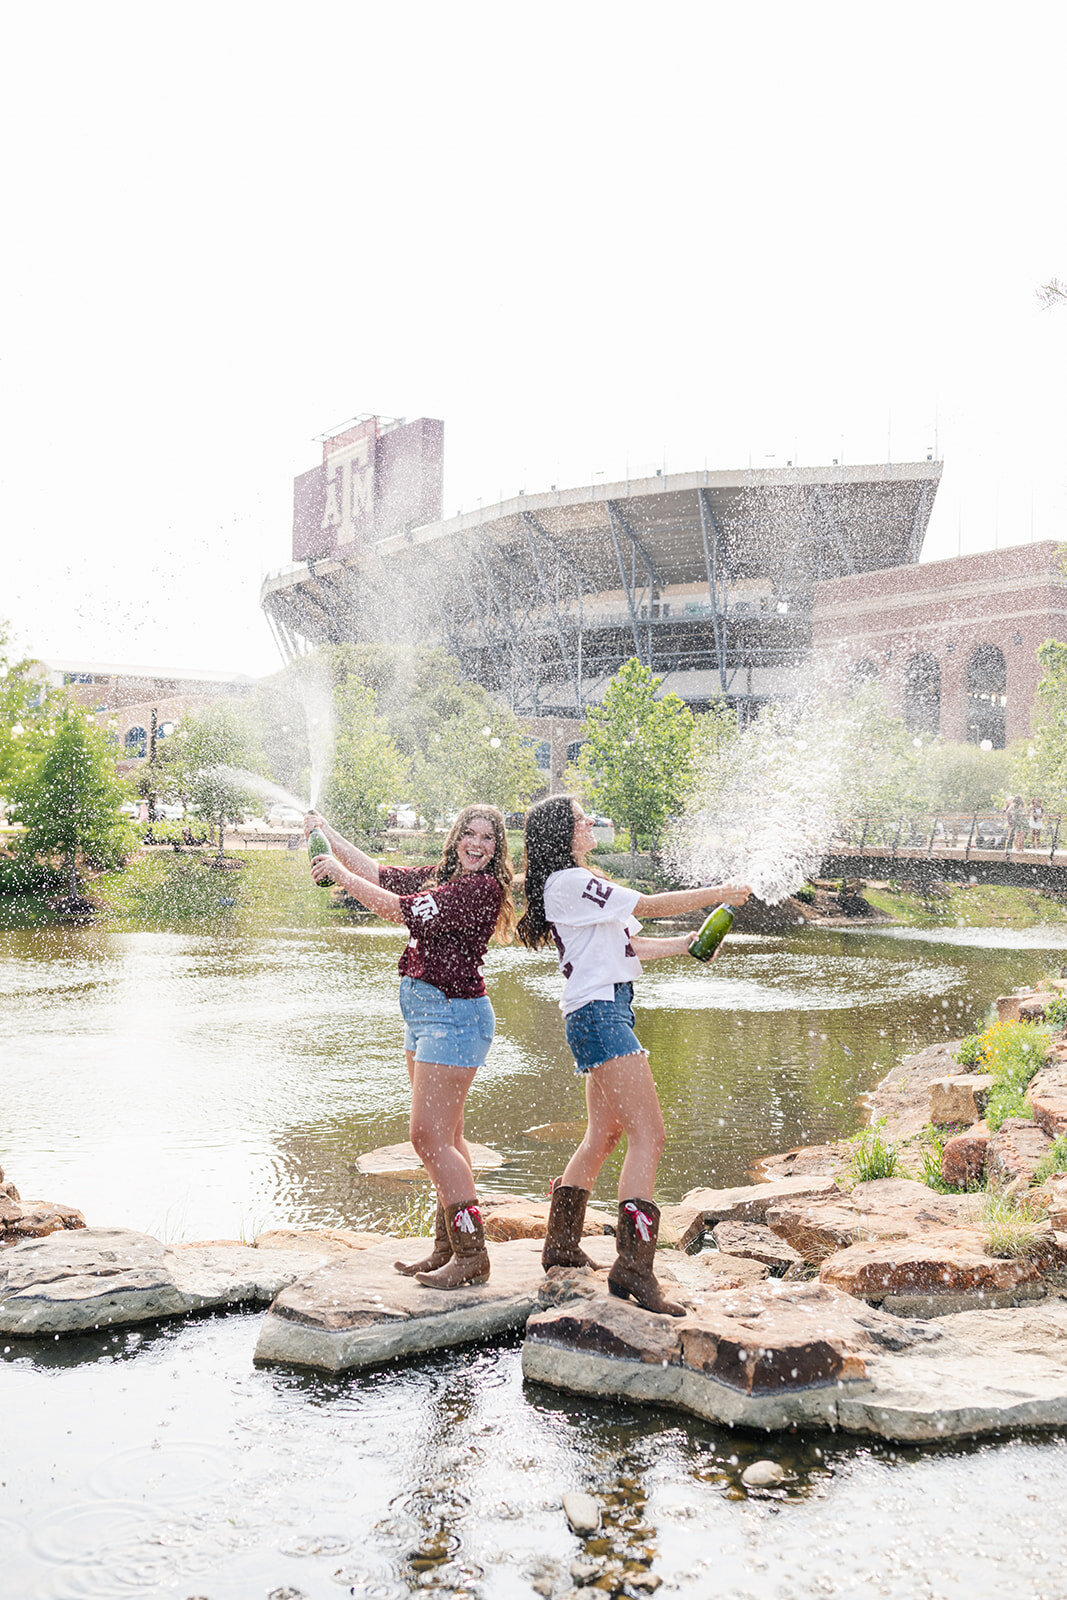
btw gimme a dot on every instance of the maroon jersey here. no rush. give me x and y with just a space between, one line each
450 925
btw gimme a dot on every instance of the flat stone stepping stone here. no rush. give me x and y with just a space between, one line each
401 1161
943 1270
777 1355
556 1132
754 1242
74 1282
359 1311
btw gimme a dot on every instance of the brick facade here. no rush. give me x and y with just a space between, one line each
1007 601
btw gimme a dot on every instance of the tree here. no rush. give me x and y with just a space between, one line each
368 771
210 752
67 799
1039 765
24 708
479 753
636 763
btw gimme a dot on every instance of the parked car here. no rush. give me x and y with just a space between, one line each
284 817
603 830
403 816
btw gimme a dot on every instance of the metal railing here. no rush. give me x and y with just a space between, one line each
950 833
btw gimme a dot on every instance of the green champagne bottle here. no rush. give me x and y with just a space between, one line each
712 933
319 845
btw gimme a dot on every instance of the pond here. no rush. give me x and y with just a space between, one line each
211 1085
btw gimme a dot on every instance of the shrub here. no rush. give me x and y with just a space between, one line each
1012 1052
22 875
872 1155
1054 1160
1012 1227
931 1146
805 894
1056 1012
970 1052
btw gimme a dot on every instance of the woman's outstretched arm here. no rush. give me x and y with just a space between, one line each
381 901
675 902
347 853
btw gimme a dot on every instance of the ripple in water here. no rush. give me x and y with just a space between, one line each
173 1472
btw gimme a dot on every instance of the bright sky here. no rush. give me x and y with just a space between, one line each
588 235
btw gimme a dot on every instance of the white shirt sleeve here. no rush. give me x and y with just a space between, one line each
579 898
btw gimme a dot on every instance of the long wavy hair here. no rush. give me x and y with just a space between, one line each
499 867
548 848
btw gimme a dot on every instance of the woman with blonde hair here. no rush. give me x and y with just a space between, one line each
451 911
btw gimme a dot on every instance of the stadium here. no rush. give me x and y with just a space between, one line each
709 578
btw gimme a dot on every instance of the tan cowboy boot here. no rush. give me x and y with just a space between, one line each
566 1215
470 1259
631 1274
441 1252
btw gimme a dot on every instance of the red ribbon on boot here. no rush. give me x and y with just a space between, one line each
642 1221
463 1223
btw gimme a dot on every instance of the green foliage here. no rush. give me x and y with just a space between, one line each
1056 1012
971 1052
1039 764
1012 1052
24 876
805 894
961 777
67 794
220 736
931 1146
1013 1226
636 764
871 1154
368 770
24 709
417 1216
1054 1160
477 753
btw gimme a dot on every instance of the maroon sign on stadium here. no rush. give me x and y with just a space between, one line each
373 481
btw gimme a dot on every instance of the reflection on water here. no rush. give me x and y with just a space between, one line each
208 1086
167 1467
205 1086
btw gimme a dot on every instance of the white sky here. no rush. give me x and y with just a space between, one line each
586 235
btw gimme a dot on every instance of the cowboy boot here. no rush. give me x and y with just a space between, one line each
631 1274
470 1258
441 1252
566 1215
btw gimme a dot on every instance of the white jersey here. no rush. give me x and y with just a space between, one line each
592 923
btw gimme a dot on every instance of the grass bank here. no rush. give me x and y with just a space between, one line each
967 906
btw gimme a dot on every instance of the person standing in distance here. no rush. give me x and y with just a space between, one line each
597 937
451 910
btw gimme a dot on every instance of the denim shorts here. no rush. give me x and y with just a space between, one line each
455 1033
602 1030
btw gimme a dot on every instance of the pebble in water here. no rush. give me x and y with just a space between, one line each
762 1475
582 1512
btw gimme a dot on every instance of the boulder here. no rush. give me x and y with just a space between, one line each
1008 1006
755 1242
1015 1151
903 1095
321 1241
1047 1094
401 1161
1053 1196
35 1219
358 1311
508 1216
702 1208
805 1161
1033 1010
884 1208
769 1355
73 1282
936 1272
963 1157
960 1100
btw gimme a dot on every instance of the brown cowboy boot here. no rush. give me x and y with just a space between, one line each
470 1258
566 1215
635 1239
441 1252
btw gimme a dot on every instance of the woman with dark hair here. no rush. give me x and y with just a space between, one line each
592 924
451 910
